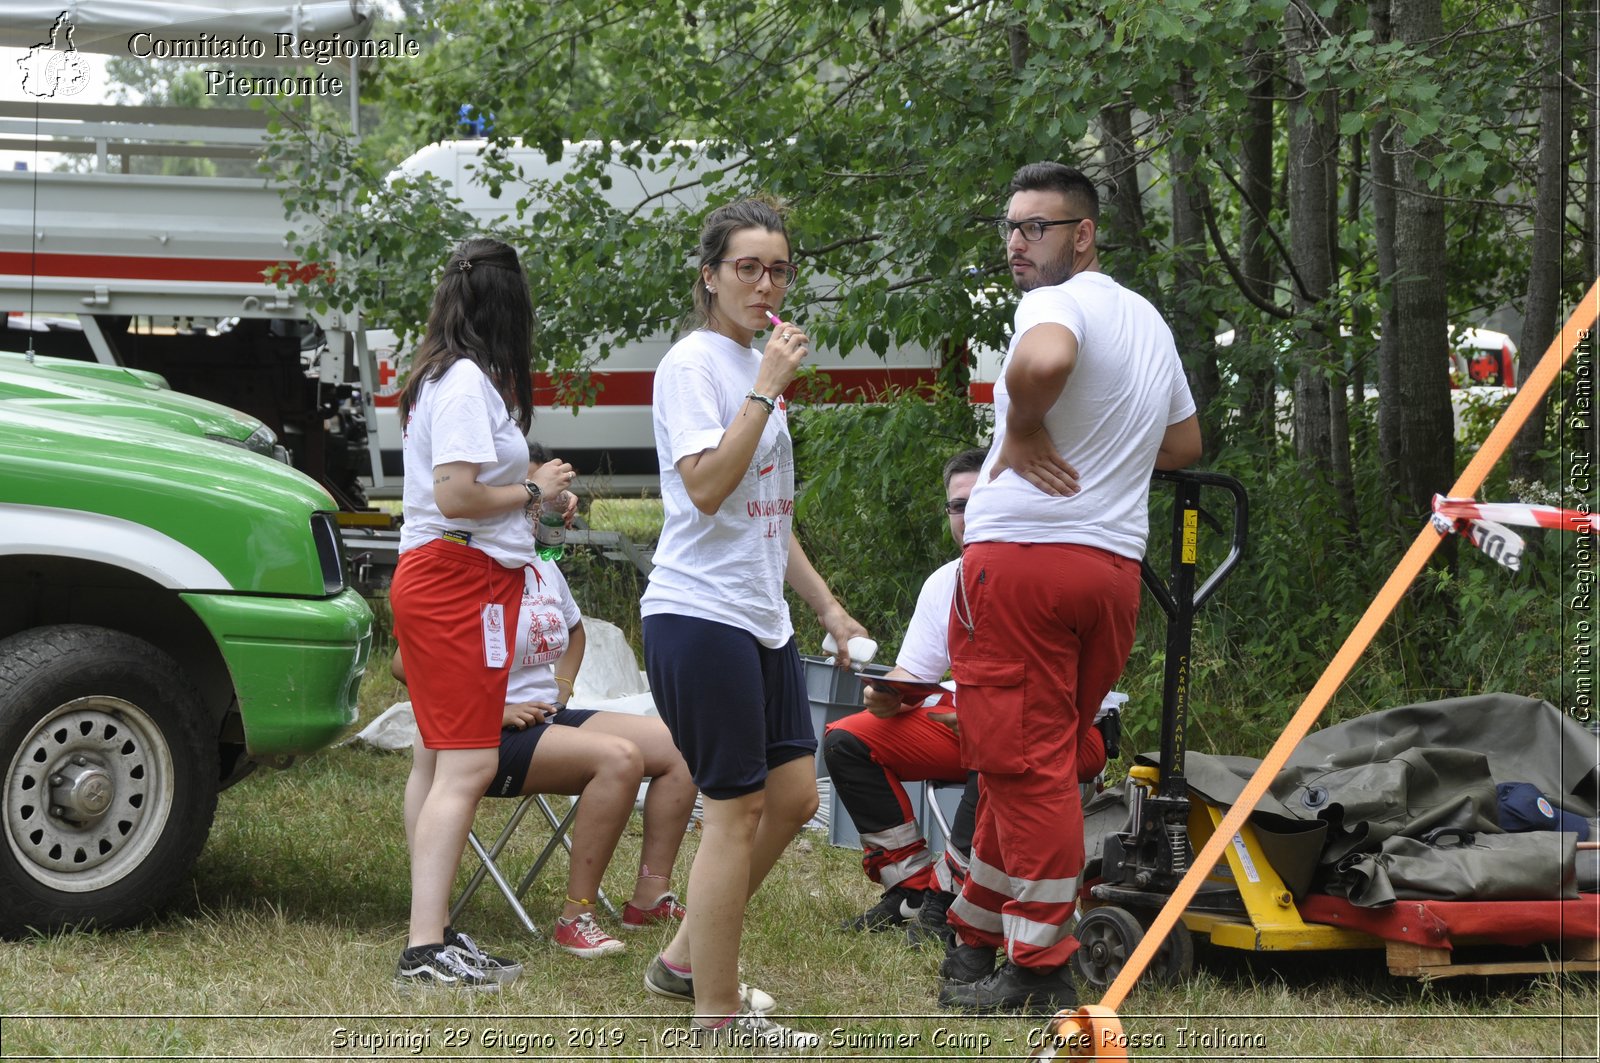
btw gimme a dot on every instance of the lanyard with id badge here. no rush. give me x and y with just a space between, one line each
495 653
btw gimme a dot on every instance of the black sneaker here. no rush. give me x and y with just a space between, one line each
966 963
1013 989
501 969
932 923
443 966
896 907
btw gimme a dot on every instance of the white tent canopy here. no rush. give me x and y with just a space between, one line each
109 25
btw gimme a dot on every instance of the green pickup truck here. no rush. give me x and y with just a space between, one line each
173 612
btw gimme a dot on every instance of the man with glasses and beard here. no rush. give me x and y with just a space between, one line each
1048 593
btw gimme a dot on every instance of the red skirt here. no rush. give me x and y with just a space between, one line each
438 598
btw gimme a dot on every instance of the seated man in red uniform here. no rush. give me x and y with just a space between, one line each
872 753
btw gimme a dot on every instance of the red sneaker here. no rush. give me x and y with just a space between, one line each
664 910
583 937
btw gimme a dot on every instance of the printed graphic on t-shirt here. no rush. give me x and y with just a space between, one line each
541 629
771 505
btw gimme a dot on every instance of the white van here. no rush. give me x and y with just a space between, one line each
612 442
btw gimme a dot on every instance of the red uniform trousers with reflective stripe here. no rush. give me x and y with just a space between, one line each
906 748
1036 632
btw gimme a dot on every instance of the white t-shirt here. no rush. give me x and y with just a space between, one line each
548 614
728 567
461 417
925 653
1127 387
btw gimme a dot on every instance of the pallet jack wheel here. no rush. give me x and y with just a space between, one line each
1108 935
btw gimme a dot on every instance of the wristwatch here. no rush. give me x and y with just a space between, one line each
535 494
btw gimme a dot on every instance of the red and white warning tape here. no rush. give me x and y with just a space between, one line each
1484 524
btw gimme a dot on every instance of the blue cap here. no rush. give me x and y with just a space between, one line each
1523 808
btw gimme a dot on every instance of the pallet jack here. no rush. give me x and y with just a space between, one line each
1244 906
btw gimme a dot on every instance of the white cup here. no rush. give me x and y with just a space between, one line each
862 649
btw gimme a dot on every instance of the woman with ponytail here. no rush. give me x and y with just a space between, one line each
467 536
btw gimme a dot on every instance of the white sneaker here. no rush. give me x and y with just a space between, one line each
750 1031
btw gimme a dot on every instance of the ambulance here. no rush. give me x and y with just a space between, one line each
611 442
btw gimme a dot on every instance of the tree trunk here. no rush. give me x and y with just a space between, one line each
1383 170
1017 41
1123 207
1426 429
1193 323
1258 412
1310 140
1543 304
1361 347
1382 163
1589 36
1338 376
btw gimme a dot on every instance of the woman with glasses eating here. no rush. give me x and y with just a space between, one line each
718 643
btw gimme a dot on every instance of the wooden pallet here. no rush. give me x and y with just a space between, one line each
1418 961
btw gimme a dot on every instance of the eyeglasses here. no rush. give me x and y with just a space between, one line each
953 506
750 270
1032 230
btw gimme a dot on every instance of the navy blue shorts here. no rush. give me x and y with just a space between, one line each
516 750
736 709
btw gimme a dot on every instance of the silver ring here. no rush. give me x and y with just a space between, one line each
786 337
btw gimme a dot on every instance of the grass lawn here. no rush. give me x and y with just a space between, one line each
284 946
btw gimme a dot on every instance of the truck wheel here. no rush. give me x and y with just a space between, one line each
110 784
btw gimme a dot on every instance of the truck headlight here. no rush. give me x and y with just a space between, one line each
330 551
262 441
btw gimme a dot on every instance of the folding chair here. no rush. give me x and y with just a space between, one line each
559 827
931 789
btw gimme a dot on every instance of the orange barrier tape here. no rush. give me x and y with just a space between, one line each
1532 390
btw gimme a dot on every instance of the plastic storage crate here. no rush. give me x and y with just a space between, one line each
834 693
842 830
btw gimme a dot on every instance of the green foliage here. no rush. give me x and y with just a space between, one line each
606 589
892 130
875 527
1268 635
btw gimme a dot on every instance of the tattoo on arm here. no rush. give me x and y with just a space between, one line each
441 479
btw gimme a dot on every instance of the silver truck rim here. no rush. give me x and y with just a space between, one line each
88 794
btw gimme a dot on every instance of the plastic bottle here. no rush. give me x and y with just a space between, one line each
550 533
